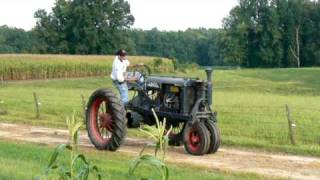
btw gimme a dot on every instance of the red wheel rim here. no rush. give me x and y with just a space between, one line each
194 140
101 120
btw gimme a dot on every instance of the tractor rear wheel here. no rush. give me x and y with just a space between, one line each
214 135
196 138
105 120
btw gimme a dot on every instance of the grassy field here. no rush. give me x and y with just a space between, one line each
31 164
250 105
25 66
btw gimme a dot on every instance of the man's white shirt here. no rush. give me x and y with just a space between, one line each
118 69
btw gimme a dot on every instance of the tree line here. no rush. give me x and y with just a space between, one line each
273 33
256 33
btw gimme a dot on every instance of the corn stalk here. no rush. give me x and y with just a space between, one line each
79 168
157 161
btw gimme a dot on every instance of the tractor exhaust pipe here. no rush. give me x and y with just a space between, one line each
209 88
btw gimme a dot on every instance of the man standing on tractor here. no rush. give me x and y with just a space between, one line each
118 74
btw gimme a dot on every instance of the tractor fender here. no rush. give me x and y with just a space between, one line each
194 111
194 118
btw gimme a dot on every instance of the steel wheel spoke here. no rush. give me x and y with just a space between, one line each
104 121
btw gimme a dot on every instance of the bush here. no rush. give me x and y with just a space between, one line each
157 62
175 64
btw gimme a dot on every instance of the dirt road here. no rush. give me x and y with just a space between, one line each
267 164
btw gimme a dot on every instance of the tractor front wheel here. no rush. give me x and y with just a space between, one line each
105 120
215 136
196 138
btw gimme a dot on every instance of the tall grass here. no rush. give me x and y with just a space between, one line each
24 67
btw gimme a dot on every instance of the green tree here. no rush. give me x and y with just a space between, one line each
234 43
84 26
14 40
252 36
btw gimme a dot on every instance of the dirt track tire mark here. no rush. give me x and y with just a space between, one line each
234 160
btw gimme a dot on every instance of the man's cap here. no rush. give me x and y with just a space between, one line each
121 52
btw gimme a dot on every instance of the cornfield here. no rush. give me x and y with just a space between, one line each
25 67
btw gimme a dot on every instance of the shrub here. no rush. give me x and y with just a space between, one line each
157 62
175 64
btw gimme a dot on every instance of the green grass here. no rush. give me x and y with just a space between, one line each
58 98
250 105
27 161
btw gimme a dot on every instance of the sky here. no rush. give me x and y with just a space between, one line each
163 14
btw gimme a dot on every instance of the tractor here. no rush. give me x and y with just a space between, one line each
184 102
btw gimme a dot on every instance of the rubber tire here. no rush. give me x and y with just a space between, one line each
204 135
214 135
118 116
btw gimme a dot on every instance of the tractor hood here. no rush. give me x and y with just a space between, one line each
178 81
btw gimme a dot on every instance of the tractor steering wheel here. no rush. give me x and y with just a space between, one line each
143 69
136 76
